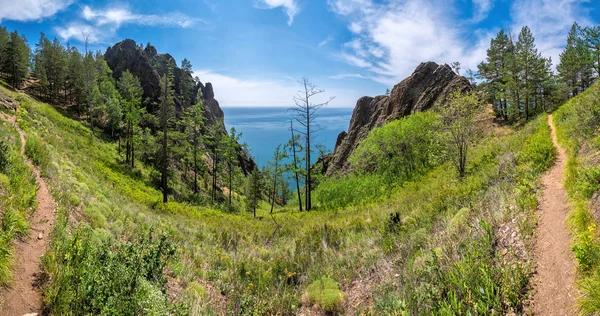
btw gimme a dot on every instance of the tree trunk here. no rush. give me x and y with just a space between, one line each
195 163
165 163
296 168
274 184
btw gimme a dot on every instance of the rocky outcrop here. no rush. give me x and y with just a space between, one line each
149 66
430 83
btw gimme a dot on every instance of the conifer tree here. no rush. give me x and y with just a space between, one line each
16 59
253 191
230 155
166 112
494 71
3 43
293 145
195 126
526 56
215 142
186 83
131 93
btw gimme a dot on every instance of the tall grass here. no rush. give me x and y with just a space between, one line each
17 197
578 123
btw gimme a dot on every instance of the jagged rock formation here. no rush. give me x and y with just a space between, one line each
429 83
148 65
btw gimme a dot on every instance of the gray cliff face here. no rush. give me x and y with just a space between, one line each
430 83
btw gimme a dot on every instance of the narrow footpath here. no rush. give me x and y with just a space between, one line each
554 282
23 297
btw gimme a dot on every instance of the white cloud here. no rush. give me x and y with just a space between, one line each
549 21
290 7
273 92
30 10
481 9
103 24
390 39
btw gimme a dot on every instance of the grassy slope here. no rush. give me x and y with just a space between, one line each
577 131
443 256
17 198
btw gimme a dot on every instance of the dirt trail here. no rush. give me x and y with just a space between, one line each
23 297
555 272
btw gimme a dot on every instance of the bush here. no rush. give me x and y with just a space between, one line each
402 148
326 293
99 275
4 156
35 149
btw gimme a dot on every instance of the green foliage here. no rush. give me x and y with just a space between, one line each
4 156
459 114
17 198
401 149
341 192
102 276
35 149
326 293
577 127
519 81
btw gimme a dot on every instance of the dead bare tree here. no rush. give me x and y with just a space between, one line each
305 112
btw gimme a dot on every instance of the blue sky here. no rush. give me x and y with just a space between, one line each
254 51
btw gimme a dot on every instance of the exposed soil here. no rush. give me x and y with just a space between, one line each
554 281
23 296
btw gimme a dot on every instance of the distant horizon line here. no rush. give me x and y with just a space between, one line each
279 106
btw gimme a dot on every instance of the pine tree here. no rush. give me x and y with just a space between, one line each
276 170
16 60
215 142
574 64
195 126
591 37
4 37
526 56
166 101
131 93
494 69
293 145
230 155
253 191
186 83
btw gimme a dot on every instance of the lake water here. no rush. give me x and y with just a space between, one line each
265 128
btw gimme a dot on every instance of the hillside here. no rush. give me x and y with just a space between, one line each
436 244
578 123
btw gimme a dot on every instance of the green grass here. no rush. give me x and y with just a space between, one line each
578 123
326 293
234 264
17 197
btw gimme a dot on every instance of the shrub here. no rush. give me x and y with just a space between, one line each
401 148
4 156
99 275
326 293
35 149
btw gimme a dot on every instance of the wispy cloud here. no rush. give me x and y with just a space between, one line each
390 39
348 76
102 24
259 92
290 7
481 9
31 10
325 41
